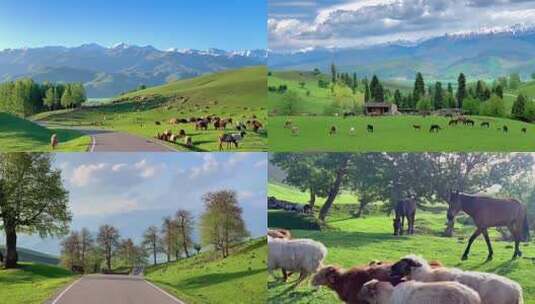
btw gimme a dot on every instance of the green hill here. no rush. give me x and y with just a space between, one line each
237 94
240 278
28 255
32 283
18 134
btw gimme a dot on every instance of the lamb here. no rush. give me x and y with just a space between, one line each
492 288
301 255
230 139
347 283
54 141
412 292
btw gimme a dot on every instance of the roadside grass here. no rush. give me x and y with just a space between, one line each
396 134
204 278
32 283
237 94
21 135
357 241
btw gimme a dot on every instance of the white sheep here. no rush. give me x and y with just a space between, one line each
300 255
492 288
352 131
412 292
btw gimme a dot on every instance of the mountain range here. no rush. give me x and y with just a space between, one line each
482 54
108 71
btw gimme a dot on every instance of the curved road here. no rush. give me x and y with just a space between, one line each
112 141
113 289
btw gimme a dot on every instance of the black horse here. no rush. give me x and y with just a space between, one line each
405 208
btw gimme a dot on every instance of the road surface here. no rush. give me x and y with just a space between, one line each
113 289
112 141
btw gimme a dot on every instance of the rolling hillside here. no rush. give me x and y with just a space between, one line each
240 278
28 255
17 134
237 94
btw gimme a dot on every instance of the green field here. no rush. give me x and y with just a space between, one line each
20 135
32 283
357 241
28 255
396 134
240 278
287 193
237 94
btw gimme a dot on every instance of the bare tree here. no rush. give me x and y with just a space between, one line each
108 239
169 237
152 242
185 225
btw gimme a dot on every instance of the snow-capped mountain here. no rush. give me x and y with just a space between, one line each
108 71
485 53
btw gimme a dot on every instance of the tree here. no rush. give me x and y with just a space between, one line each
498 90
70 250
438 96
333 75
376 90
131 254
366 91
185 225
461 90
471 106
291 104
419 87
78 94
86 244
519 107
514 81
67 99
152 242
221 223
108 239
169 237
424 105
338 164
355 83
32 199
398 99
50 99
493 107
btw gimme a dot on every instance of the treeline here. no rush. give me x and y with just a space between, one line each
221 227
26 97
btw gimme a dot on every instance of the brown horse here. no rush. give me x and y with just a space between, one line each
405 208
490 212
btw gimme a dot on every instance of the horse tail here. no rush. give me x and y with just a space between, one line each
525 227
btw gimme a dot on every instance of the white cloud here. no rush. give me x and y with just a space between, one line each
84 174
113 173
105 206
209 165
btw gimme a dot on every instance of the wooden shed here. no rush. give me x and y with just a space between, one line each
380 108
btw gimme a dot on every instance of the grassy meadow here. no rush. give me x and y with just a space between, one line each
236 94
32 283
21 135
356 241
240 278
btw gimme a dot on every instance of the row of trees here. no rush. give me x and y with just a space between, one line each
33 200
389 177
26 97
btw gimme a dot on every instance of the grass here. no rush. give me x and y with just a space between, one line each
287 193
28 255
396 134
21 135
240 278
32 283
236 94
357 241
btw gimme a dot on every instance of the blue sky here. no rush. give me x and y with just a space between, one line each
198 24
298 24
135 190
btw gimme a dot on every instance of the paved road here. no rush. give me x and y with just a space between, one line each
111 141
113 289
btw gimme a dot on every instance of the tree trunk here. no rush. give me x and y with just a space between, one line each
312 200
185 241
333 192
108 259
11 257
154 254
362 205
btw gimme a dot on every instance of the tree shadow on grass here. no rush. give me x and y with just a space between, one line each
32 273
346 239
214 278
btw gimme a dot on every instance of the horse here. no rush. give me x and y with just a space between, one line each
405 208
369 128
524 130
470 122
453 122
435 128
417 127
490 212
485 124
505 129
332 131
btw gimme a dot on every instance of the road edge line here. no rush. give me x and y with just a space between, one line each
162 291
93 144
65 291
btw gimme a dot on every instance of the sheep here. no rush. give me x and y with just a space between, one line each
347 283
492 288
302 255
281 234
295 130
412 292
54 141
352 131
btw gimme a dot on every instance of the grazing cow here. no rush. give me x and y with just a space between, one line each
470 122
220 124
369 128
54 141
157 123
405 208
332 131
417 127
485 124
524 130
435 129
230 139
453 122
201 125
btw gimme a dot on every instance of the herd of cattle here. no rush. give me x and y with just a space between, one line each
411 280
203 124
433 128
